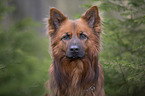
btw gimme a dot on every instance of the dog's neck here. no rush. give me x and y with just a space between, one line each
76 73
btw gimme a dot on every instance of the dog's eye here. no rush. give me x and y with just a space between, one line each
83 36
66 37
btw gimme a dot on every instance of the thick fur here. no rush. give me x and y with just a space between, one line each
75 77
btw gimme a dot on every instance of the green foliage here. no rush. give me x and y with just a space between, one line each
123 51
24 59
4 8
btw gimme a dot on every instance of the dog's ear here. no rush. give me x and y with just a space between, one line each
56 18
92 16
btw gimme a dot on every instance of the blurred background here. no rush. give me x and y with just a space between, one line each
24 56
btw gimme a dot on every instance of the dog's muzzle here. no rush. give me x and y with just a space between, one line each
75 52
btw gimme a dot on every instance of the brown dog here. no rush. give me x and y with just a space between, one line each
75 46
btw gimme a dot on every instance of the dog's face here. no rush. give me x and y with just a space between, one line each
74 39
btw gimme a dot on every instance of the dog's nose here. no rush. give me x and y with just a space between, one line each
74 48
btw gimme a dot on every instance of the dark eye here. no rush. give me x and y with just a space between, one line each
66 37
83 36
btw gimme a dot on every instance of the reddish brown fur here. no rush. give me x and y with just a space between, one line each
74 77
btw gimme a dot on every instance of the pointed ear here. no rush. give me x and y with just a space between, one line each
56 18
92 16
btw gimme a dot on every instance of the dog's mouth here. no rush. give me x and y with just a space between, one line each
75 56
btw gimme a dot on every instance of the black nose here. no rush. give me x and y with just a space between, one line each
74 48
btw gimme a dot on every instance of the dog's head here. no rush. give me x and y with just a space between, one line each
74 39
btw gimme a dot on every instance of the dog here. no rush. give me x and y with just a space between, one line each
75 46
